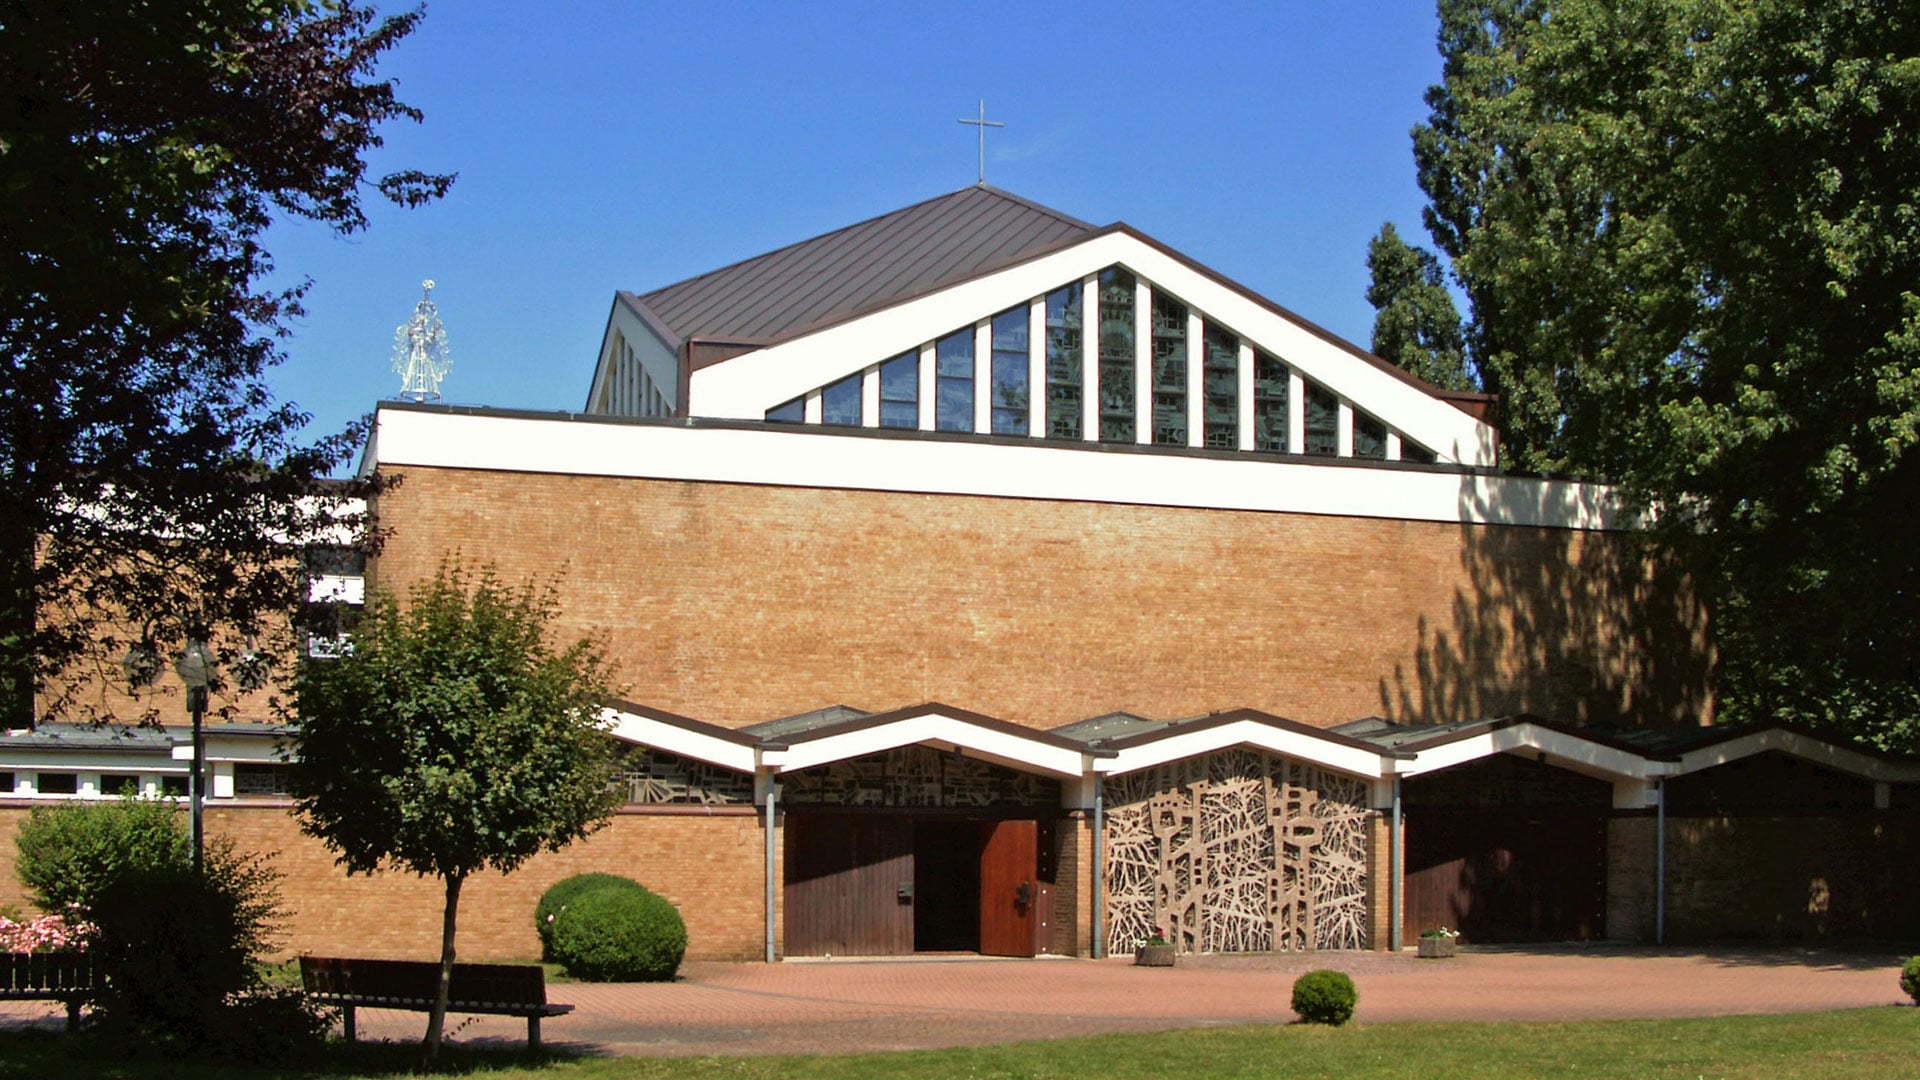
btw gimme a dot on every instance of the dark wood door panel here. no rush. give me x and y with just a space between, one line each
1506 875
1009 887
843 884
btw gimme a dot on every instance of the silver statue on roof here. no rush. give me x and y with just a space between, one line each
421 356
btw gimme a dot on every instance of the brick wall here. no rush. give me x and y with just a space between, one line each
735 603
707 866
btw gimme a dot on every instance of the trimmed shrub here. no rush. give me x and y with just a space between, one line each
1324 997
180 951
618 935
1910 978
70 852
564 892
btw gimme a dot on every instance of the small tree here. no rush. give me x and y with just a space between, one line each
453 738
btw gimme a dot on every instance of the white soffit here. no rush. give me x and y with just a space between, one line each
1563 750
809 457
1005 747
674 739
1353 760
1818 751
746 386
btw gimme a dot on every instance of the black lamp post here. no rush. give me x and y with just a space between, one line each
195 667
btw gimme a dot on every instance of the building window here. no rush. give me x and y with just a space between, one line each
118 783
1321 422
6 783
1220 374
1117 416
840 402
953 378
58 783
900 391
1064 387
261 780
1270 381
1169 371
793 412
173 786
1010 372
1369 437
1416 453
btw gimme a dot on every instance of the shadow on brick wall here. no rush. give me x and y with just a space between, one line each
1582 626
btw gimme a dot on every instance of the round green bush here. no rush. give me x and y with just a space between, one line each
1324 997
566 891
1910 978
618 935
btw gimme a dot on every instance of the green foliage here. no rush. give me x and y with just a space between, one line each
70 852
145 150
1325 997
1687 230
614 934
1415 325
1910 978
180 951
454 738
563 892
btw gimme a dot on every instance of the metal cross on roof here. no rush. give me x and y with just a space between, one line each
983 124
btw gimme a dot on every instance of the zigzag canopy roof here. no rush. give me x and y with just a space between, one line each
861 266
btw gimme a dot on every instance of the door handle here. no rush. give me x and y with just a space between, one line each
1023 893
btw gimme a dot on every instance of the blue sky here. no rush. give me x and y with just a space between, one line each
604 146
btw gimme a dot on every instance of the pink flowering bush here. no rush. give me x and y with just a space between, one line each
48 933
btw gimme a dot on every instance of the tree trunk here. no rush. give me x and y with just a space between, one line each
437 1019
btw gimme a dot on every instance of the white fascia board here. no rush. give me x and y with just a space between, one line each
1006 748
746 386
1831 755
673 739
146 759
1323 752
788 456
1566 751
250 750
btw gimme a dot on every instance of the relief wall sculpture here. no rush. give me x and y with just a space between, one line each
1237 851
654 777
916 776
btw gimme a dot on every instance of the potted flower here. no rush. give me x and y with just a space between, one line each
1437 942
1155 951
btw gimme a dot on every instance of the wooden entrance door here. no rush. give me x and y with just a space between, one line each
849 884
1009 887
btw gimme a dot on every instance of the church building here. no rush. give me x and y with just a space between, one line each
985 580
982 580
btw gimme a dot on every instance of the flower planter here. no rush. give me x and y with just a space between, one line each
1436 948
1153 956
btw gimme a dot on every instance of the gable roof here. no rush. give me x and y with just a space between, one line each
966 232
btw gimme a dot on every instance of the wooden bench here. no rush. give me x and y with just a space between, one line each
49 976
491 989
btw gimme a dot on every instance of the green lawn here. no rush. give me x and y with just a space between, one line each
1882 1042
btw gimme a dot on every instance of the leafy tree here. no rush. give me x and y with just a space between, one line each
454 738
1687 232
1416 325
144 150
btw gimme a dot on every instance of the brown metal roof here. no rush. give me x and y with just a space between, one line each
961 234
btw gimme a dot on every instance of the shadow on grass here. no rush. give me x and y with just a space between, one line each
53 1055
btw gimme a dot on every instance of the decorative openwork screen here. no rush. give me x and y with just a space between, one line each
1237 851
653 778
916 776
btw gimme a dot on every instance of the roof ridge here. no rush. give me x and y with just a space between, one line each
909 208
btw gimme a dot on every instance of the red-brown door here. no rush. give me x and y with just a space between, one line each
1507 874
1009 887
